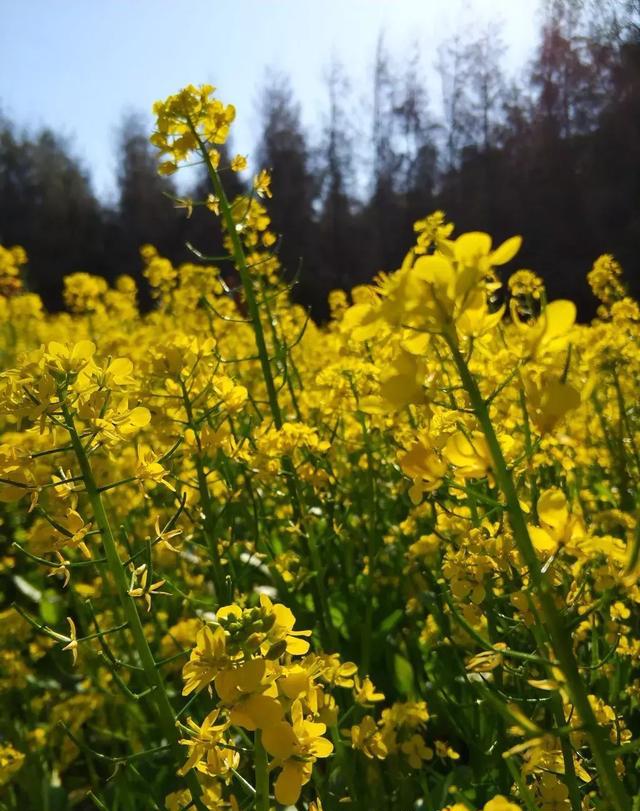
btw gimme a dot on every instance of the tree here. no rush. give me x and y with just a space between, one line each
455 78
283 149
337 250
144 213
382 215
47 205
416 175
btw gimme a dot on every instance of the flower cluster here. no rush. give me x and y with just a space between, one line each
190 120
251 658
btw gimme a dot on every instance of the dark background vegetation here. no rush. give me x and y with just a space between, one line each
553 155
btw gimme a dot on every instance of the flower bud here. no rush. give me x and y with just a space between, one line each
254 641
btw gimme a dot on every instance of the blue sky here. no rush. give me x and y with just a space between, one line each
78 65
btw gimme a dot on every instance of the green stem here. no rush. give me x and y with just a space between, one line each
163 706
570 777
281 347
245 277
560 638
365 657
318 590
617 458
523 791
262 774
209 523
209 530
528 444
626 435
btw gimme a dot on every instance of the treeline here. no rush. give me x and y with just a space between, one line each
553 154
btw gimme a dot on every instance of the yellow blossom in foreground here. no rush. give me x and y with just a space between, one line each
295 746
204 742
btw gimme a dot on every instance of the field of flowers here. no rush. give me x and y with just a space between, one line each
249 562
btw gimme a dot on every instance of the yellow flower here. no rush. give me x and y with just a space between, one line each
232 395
61 569
500 803
525 283
422 464
72 533
364 691
207 659
486 661
605 279
139 588
72 644
11 761
366 737
298 681
549 401
187 121
282 628
550 332
296 746
68 358
186 203
469 454
84 293
454 289
336 672
213 204
119 422
167 168
401 383
433 230
249 690
443 750
148 469
204 742
416 751
262 183
557 526
554 794
163 536
239 163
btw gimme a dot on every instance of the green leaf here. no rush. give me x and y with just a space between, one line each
389 623
51 607
403 675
